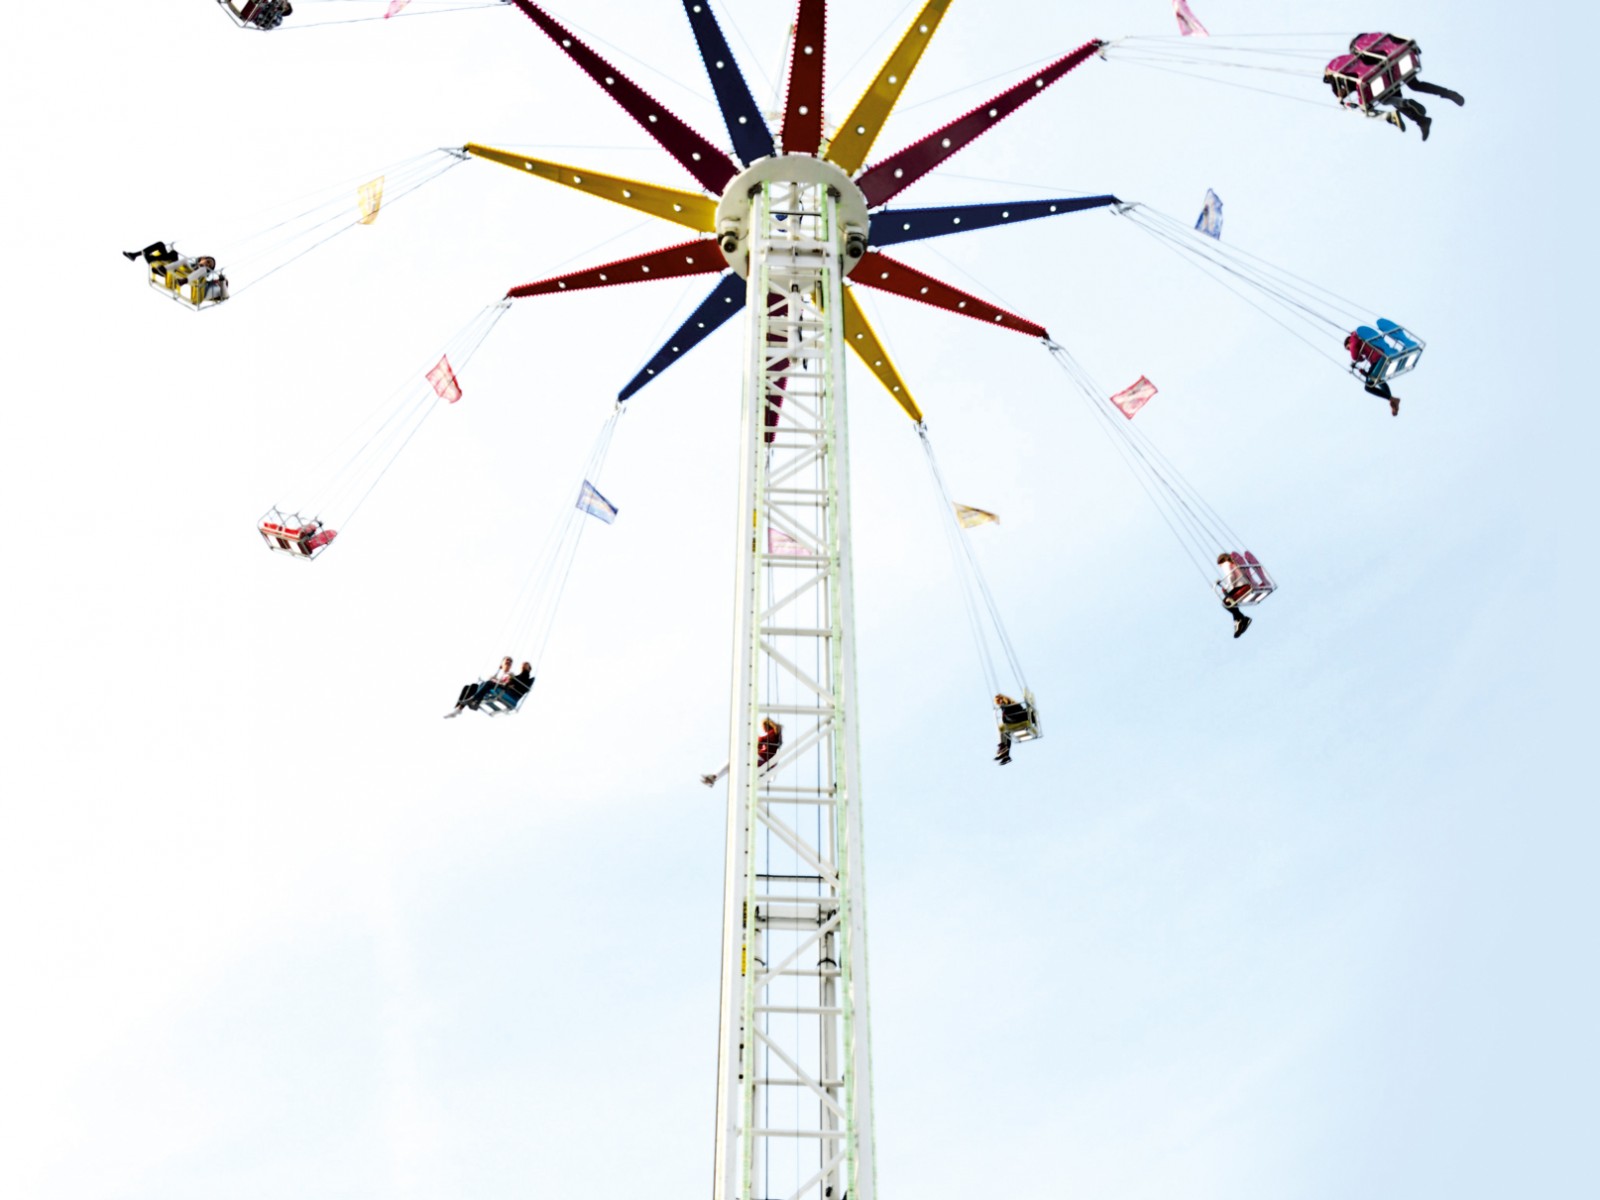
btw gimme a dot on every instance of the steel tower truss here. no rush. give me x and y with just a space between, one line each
794 1116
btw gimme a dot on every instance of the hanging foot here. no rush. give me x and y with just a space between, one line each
1240 626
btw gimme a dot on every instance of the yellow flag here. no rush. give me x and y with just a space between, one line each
370 197
971 518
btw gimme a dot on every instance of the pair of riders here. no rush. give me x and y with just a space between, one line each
164 260
1374 75
502 685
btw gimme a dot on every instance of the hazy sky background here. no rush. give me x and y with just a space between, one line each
1305 916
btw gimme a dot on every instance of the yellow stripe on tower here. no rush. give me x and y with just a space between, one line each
858 332
850 145
691 209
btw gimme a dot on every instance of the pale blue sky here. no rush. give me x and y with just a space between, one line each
1300 917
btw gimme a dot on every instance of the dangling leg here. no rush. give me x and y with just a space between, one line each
1380 389
1003 754
1240 621
467 692
1414 110
155 252
1433 89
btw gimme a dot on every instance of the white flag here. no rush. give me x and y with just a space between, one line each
596 505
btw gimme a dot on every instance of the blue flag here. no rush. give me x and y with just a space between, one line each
1210 219
596 505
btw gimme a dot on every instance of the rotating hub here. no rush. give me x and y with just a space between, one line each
733 211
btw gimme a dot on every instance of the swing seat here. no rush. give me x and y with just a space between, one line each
499 700
1256 584
173 279
1353 81
256 14
1394 351
290 534
1374 70
1019 720
1396 59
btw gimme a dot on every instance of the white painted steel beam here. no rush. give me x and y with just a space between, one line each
794 1094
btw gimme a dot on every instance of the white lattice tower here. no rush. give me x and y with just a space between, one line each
794 1098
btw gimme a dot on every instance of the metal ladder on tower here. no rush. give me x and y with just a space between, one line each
794 1095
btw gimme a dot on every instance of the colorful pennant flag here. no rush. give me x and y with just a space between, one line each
592 502
1131 400
1209 221
971 518
1188 24
444 380
370 197
780 543
394 7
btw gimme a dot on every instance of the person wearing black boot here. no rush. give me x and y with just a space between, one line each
1235 586
155 252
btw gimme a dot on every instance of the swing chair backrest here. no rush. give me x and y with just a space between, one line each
1397 57
499 701
1354 80
1374 70
173 279
245 13
1253 583
1410 345
1376 66
1019 721
1395 350
287 534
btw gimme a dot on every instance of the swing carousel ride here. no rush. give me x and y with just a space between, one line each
789 225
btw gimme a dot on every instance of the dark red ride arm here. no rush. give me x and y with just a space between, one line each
698 257
899 171
704 161
802 114
886 274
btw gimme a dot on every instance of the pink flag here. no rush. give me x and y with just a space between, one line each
779 542
444 380
1188 24
394 7
1131 400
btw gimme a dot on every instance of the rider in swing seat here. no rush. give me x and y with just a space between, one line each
1011 714
1235 585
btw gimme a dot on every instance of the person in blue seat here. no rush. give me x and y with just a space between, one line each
472 694
1369 352
518 686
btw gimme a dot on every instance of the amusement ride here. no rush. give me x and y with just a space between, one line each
789 221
